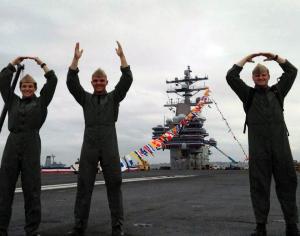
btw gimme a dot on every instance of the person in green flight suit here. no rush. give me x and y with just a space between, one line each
100 110
22 151
269 149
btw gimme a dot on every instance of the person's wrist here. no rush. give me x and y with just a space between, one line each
281 60
275 58
74 62
42 65
73 66
243 62
14 63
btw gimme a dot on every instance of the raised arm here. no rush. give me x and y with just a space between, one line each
48 89
287 79
6 76
72 78
120 53
234 80
126 79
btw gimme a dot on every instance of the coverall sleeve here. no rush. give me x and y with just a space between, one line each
287 79
75 87
6 76
236 84
123 85
48 89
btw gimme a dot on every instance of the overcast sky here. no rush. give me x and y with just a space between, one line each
159 38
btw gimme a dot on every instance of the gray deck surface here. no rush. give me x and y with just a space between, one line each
210 203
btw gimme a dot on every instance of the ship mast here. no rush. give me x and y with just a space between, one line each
188 150
184 88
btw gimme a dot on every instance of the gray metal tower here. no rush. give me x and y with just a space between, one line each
188 150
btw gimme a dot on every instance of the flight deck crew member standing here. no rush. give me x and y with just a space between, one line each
22 151
269 149
100 141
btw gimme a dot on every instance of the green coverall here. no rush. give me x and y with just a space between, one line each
22 150
269 149
99 144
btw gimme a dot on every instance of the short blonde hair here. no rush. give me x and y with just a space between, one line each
28 79
259 69
99 73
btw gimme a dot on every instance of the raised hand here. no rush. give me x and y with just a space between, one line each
40 63
77 55
18 60
119 50
269 56
248 58
120 53
37 60
272 57
77 52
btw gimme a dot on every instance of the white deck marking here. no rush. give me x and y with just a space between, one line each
101 182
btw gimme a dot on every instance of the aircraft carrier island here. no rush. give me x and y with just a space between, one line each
191 148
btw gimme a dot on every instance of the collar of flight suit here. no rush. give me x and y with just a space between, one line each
262 89
29 99
100 94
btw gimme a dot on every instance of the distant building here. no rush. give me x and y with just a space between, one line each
51 164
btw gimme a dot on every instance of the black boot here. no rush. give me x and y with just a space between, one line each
3 233
76 232
260 230
292 230
117 231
